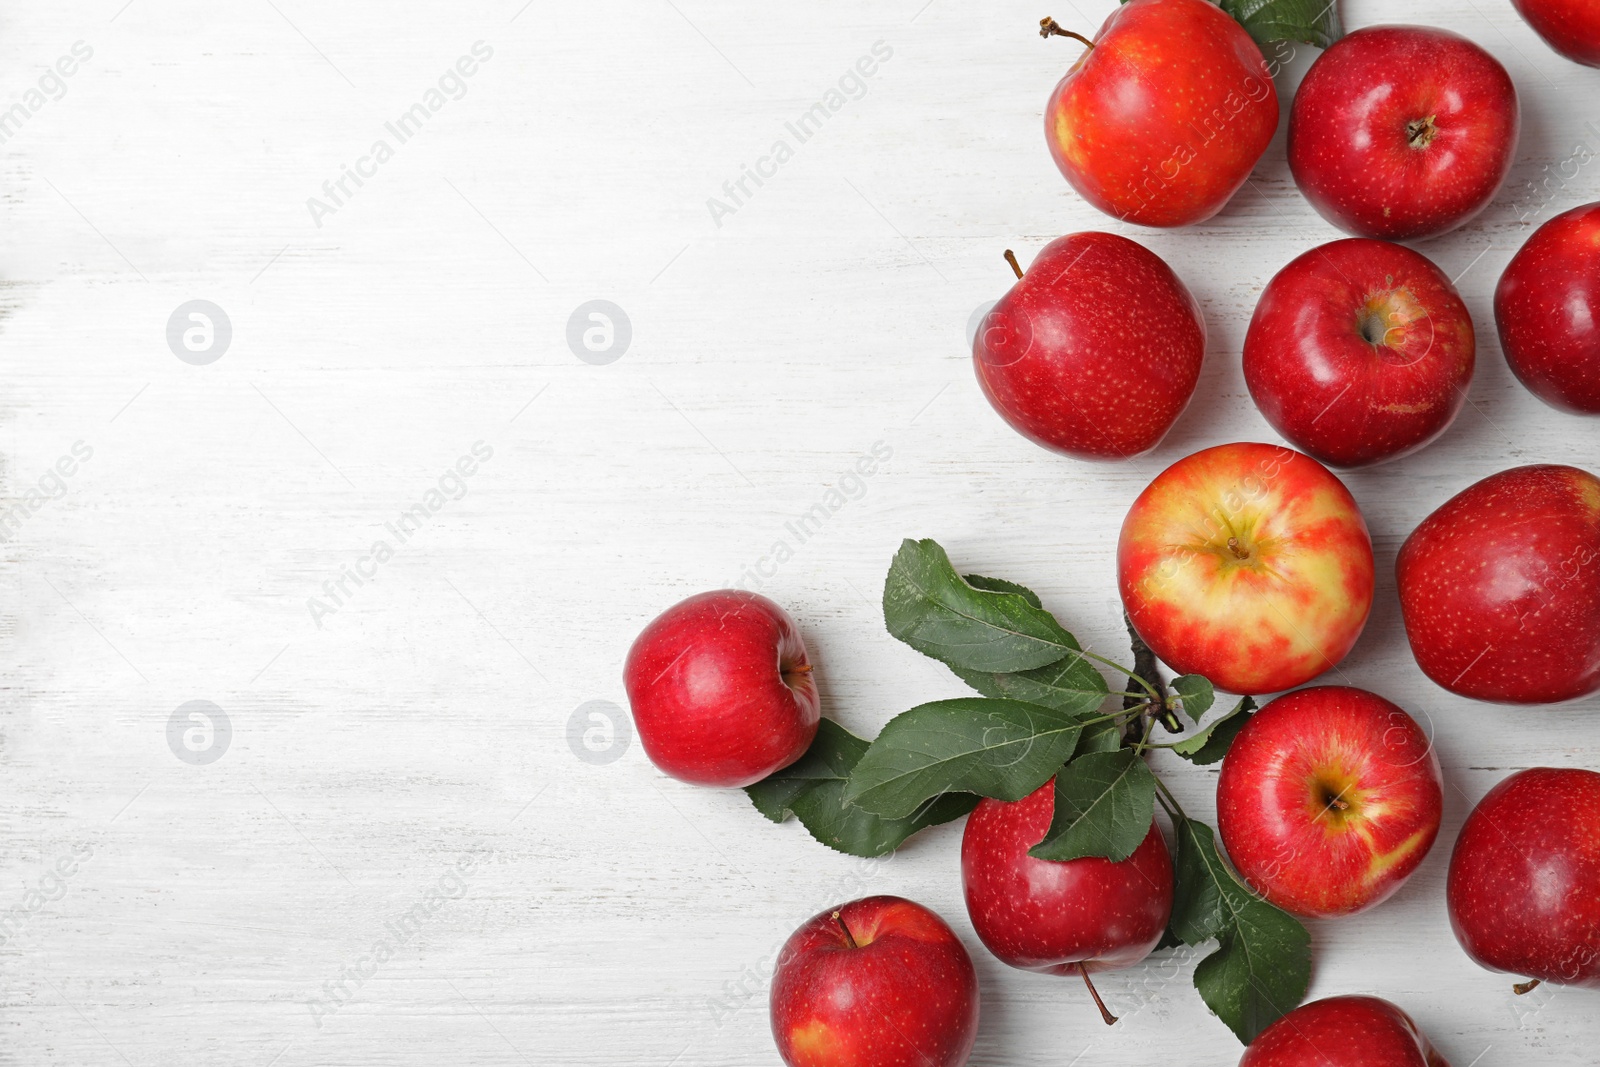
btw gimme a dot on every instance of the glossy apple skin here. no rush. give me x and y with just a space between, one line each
1162 121
1073 917
721 689
1343 1032
1360 147
1547 308
1095 351
1500 587
1329 390
1328 800
905 995
1287 609
1522 885
1571 27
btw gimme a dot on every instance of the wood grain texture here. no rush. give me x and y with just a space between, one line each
607 915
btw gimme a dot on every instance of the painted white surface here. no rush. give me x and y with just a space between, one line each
613 916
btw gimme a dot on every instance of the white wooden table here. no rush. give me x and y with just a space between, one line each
404 768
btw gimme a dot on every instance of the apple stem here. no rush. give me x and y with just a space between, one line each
1049 27
1011 258
1148 671
1238 550
847 935
804 668
1522 989
1105 1013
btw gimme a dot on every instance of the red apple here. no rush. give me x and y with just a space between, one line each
1343 1032
1160 121
1402 132
721 689
1547 306
1571 27
1095 351
880 982
1328 800
1500 587
1359 351
1249 564
1524 886
1073 917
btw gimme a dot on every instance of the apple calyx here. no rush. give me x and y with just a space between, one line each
1105 1013
848 936
1421 132
1011 258
1332 798
1049 27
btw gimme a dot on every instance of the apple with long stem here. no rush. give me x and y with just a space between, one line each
879 982
1328 800
1095 351
1359 351
1500 587
1524 885
1161 119
1249 564
1073 917
1343 1032
1403 132
721 689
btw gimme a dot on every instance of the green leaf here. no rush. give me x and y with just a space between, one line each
1262 966
1000 585
1259 973
1070 684
1101 737
995 748
812 789
1211 744
1105 802
1198 912
1196 693
1314 22
930 607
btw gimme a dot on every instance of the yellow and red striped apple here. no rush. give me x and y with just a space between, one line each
1249 564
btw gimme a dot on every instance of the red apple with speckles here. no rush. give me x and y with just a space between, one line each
721 689
1095 350
1249 564
1547 307
1403 132
880 982
1571 27
1523 879
1500 587
1328 800
1343 1032
1069 918
1360 351
1161 121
